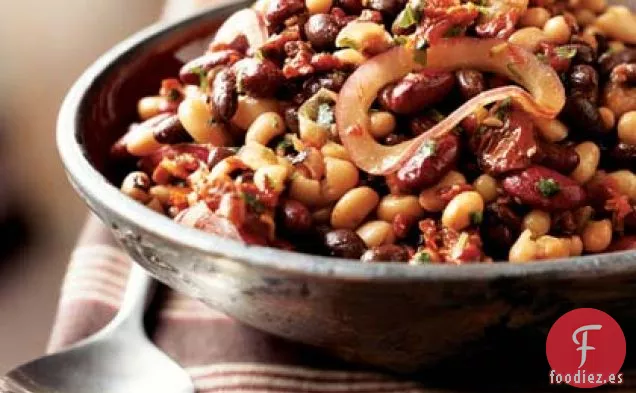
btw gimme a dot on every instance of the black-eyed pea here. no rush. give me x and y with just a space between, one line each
589 157
430 199
538 222
255 155
528 38
151 106
305 190
627 128
318 6
462 209
486 186
196 118
350 56
368 37
382 124
266 127
271 177
550 247
626 182
576 246
224 168
354 207
552 130
597 235
557 30
335 150
340 177
249 108
534 17
524 249
136 185
392 205
376 233
618 23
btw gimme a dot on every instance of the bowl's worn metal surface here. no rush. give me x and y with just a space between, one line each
390 315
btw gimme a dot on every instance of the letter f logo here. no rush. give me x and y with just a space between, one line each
583 344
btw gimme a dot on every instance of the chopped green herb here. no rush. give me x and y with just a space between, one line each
325 115
407 18
203 77
258 55
253 203
548 187
504 108
284 144
234 149
476 217
212 121
174 95
347 43
428 148
400 39
565 52
542 58
454 31
421 258
270 183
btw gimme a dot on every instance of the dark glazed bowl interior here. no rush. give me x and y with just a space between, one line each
391 315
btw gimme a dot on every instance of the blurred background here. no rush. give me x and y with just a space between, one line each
45 46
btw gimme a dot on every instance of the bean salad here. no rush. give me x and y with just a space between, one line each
412 131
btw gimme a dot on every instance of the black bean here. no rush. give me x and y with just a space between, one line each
194 70
387 7
217 154
583 117
295 217
321 30
170 131
386 253
332 81
258 78
610 60
624 155
344 243
583 80
561 158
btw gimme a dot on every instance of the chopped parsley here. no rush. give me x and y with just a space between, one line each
284 145
454 31
504 108
565 52
174 95
253 202
203 77
476 217
325 116
259 55
348 43
428 148
421 258
542 58
548 186
407 18
400 39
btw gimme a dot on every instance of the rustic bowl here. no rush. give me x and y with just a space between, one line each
393 316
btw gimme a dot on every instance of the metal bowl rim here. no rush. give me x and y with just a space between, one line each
95 188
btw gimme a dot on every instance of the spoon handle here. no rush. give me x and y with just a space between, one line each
139 292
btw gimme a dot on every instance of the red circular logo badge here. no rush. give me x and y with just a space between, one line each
586 348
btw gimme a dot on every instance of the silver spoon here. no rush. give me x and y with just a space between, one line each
118 359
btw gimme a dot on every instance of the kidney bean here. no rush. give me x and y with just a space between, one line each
507 148
224 94
608 60
421 123
353 7
583 81
191 72
563 223
321 30
624 155
387 7
623 243
217 154
279 10
344 243
416 91
258 78
471 83
295 217
544 188
624 74
583 117
394 139
562 158
386 253
332 81
169 131
430 164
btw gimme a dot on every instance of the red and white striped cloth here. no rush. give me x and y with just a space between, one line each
220 353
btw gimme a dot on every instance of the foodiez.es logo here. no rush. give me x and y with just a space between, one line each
586 348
